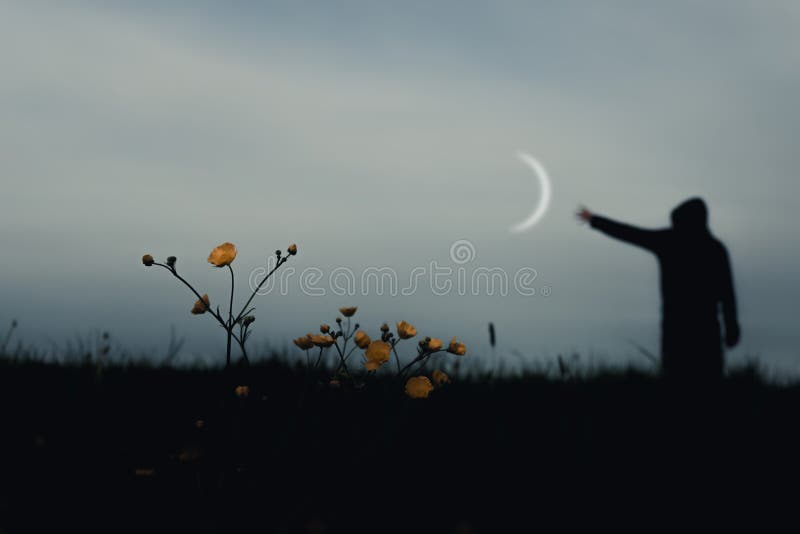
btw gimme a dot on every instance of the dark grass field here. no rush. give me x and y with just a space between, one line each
121 449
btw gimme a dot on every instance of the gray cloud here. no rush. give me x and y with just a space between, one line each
376 136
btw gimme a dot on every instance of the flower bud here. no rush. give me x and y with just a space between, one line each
148 260
292 250
457 348
362 339
434 344
405 330
200 306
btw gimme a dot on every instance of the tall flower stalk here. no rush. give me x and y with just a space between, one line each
223 256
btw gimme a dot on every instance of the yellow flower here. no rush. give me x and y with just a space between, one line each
222 255
200 306
459 349
371 365
292 250
324 328
304 342
148 260
419 387
348 312
405 330
362 339
434 344
440 377
321 340
377 354
242 391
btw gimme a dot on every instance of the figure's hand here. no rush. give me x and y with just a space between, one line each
584 215
732 335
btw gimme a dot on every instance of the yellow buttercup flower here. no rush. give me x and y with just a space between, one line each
419 387
321 340
434 344
303 343
200 306
440 377
222 255
377 354
371 365
348 312
242 391
362 339
457 348
148 260
405 330
292 250
324 328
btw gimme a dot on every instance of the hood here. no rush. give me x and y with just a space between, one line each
691 216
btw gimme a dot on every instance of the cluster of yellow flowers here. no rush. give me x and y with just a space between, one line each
377 352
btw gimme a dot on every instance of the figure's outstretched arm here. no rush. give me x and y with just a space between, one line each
649 239
728 299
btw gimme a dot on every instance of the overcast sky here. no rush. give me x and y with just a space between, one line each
377 134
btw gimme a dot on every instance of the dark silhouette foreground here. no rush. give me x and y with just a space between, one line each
122 451
695 280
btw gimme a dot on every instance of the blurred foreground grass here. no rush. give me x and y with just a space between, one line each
142 447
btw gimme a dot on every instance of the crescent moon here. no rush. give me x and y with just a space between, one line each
544 200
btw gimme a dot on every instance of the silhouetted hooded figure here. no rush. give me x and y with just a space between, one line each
696 280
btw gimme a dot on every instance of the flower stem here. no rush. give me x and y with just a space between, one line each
396 356
230 323
281 261
420 358
343 365
187 284
214 314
